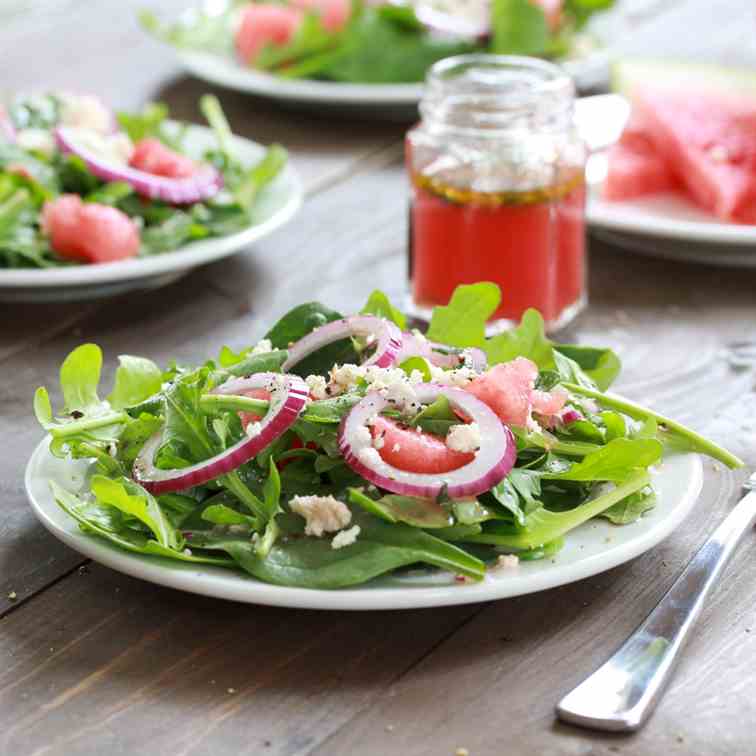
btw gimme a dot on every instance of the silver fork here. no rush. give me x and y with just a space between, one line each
621 694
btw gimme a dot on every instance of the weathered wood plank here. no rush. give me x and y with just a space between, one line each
106 663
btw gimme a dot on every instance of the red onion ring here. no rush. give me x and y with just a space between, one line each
288 396
204 184
491 465
388 339
441 355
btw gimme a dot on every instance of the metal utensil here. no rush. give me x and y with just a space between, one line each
621 694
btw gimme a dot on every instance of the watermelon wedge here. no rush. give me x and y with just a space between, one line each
693 127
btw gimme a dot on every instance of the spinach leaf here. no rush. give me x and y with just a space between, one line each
527 340
421 513
308 562
436 417
462 323
417 363
601 365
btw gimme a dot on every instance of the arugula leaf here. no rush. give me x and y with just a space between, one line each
601 365
519 28
462 323
310 38
436 417
134 435
631 508
669 430
421 513
150 122
108 523
543 525
582 10
260 175
527 340
136 379
131 499
417 363
378 304
80 377
220 514
613 462
471 511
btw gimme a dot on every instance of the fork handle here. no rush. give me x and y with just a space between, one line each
621 694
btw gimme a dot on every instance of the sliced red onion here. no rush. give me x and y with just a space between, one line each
492 462
387 339
441 355
288 396
569 416
202 185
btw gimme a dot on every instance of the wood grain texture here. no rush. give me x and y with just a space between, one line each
100 663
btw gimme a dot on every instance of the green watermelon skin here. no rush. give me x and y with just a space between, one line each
709 143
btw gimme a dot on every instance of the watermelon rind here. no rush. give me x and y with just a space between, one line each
681 76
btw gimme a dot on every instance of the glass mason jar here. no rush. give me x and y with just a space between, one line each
498 191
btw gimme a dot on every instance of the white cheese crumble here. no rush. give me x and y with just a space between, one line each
362 436
402 396
253 429
262 347
322 514
464 438
86 112
345 537
36 140
396 448
506 562
458 378
317 385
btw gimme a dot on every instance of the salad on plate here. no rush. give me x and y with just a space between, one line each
377 42
80 184
340 448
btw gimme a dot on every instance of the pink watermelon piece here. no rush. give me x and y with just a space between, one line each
88 232
334 14
265 24
152 156
252 417
406 449
635 167
509 390
709 142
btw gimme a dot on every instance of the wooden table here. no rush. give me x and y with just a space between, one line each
94 662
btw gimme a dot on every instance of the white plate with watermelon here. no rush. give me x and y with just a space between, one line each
275 206
685 167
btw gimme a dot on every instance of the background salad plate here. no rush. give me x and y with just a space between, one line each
594 547
277 204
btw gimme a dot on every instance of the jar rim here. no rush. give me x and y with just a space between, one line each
494 94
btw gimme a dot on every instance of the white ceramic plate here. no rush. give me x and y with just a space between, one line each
227 72
664 216
277 204
223 69
594 547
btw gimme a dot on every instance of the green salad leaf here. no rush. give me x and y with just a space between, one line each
519 28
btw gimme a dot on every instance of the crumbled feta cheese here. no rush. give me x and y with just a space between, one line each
369 456
506 562
317 385
253 429
362 437
37 140
322 514
464 438
187 552
396 448
345 537
416 377
383 378
402 396
346 376
85 111
262 347
458 378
